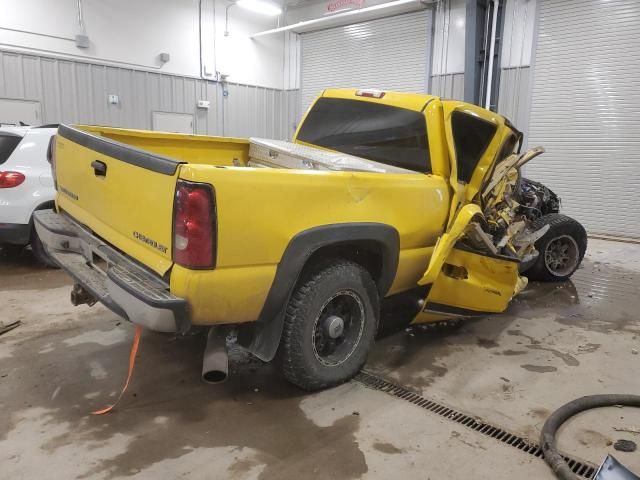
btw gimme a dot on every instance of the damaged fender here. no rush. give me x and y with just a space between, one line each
447 241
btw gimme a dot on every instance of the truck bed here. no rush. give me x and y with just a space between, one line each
199 149
120 185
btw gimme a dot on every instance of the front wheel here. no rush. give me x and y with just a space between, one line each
330 325
561 249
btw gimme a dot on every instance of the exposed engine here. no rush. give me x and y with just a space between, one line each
536 199
511 205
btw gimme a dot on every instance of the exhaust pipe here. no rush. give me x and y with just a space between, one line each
215 364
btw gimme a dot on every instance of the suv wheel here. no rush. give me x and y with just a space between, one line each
330 325
39 251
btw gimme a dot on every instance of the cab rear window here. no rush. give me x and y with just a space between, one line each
390 135
8 143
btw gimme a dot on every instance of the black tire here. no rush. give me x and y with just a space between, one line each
337 286
40 253
10 249
561 229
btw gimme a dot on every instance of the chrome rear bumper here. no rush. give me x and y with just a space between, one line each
113 279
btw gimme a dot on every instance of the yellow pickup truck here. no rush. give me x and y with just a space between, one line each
381 197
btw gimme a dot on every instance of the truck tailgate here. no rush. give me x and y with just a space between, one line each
123 194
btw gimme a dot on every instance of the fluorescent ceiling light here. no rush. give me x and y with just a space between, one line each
260 6
342 18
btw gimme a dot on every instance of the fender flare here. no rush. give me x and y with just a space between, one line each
268 328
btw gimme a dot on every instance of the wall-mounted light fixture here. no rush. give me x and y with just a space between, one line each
394 7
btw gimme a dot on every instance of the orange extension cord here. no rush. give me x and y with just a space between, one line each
132 364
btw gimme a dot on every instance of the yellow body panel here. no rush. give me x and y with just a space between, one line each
489 285
187 148
471 189
128 199
429 105
447 241
260 210
489 282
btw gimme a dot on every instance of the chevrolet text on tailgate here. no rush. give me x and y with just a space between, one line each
382 198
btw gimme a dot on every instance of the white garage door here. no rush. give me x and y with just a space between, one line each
586 111
389 53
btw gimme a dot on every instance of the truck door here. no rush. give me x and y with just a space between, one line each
463 280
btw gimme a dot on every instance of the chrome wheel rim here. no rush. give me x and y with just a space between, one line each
338 328
561 255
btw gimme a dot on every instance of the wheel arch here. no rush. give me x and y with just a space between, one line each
49 204
375 246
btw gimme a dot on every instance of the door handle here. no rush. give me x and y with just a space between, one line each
99 168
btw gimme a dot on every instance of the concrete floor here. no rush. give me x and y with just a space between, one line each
556 342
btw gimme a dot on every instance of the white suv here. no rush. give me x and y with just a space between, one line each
26 185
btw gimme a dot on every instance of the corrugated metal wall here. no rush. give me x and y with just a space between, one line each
450 85
585 110
514 93
389 53
259 112
76 92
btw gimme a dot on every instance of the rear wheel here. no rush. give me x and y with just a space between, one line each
38 250
330 325
561 249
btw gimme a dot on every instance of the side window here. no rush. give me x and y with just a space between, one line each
8 143
508 147
471 137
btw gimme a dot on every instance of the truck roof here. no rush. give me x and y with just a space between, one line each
410 101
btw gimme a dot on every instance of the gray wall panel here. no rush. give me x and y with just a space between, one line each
31 74
50 99
83 93
585 110
259 112
450 85
13 84
68 110
513 99
76 92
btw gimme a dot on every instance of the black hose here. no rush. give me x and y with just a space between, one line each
557 418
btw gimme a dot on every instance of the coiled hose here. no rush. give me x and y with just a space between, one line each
561 415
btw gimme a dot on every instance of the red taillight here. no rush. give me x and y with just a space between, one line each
194 225
10 179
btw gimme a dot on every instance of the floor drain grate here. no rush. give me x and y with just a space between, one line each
578 467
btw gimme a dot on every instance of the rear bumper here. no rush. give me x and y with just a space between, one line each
113 279
14 233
